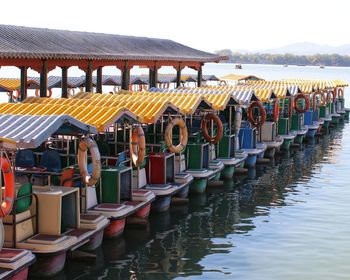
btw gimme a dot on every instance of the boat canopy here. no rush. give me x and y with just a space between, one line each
29 132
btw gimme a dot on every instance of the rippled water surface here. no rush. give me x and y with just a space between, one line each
287 220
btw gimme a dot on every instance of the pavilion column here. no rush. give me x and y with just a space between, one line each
199 76
88 77
43 79
99 80
23 88
64 82
150 78
153 76
178 76
125 77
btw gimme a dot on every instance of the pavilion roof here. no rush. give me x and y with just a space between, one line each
19 42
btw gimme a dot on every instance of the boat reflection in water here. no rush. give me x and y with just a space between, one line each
176 242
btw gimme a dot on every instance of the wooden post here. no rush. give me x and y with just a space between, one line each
43 79
155 76
199 77
23 88
99 80
150 78
88 77
64 82
125 77
178 77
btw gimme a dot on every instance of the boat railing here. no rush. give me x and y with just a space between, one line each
14 221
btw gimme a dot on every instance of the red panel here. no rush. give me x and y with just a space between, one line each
157 168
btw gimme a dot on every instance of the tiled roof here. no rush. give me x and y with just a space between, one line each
42 43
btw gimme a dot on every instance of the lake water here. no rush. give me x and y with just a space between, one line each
287 220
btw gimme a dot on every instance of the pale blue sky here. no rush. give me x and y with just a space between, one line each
206 25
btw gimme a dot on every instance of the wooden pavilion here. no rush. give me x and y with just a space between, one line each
44 49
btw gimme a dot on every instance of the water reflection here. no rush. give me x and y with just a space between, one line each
174 243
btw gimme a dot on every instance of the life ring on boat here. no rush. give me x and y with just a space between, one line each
340 93
49 91
9 178
307 103
276 111
250 113
204 127
84 145
137 146
334 94
290 107
168 135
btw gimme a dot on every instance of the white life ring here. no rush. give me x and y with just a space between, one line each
84 145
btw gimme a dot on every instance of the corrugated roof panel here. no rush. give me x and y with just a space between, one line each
30 131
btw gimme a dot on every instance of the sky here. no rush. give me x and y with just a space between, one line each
206 25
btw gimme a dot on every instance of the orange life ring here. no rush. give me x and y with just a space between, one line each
168 135
276 111
307 103
137 146
204 126
84 145
37 93
262 111
340 93
9 178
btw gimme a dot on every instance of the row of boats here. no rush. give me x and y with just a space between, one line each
79 170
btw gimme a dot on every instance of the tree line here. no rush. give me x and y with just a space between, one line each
291 59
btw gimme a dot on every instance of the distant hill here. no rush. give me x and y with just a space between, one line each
307 48
289 59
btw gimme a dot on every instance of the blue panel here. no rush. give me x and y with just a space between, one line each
308 117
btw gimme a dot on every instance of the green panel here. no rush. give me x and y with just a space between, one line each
194 156
224 146
283 126
295 125
111 179
322 111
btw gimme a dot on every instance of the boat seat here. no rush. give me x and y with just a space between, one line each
25 158
50 159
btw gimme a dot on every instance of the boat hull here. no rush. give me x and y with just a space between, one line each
198 185
115 228
48 265
161 204
251 160
227 172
